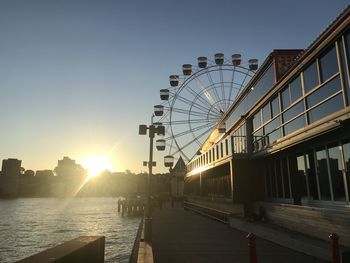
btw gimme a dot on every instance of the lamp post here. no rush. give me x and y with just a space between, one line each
152 130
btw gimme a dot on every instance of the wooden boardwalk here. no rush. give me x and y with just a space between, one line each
183 236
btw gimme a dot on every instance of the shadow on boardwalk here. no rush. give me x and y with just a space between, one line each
183 236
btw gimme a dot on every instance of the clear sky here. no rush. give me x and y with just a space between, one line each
77 77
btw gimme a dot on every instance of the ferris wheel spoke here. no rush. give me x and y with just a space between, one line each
193 104
215 91
212 107
193 113
232 82
192 141
222 87
181 134
242 84
194 94
204 89
194 121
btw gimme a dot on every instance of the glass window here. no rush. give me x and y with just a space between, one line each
300 177
234 141
279 179
275 107
285 174
343 65
310 77
268 182
272 125
292 112
270 129
229 144
326 108
311 174
222 149
294 125
256 120
266 113
336 168
285 97
346 150
274 136
324 92
273 179
347 45
295 89
258 134
217 152
264 84
322 171
328 64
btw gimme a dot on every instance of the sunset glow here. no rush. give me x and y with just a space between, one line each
96 164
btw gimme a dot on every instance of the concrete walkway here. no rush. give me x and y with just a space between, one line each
183 236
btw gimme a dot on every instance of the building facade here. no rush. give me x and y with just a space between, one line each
9 178
286 145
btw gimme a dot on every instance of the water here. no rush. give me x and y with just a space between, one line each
31 225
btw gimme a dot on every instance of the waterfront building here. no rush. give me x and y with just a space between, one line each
9 178
69 168
286 142
70 176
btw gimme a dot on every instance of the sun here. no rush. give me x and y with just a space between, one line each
96 164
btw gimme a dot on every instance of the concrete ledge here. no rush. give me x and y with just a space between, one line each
145 253
87 249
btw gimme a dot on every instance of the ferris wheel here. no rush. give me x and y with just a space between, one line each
196 100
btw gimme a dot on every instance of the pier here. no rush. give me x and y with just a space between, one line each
185 236
131 206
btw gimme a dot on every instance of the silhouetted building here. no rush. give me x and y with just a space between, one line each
69 167
70 177
44 179
9 179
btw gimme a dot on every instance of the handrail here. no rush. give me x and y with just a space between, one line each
213 213
135 248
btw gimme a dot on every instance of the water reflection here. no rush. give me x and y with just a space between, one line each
30 225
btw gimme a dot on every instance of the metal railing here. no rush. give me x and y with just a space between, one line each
213 213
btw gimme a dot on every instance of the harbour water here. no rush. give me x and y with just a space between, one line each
31 225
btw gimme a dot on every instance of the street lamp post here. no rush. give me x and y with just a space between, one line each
159 130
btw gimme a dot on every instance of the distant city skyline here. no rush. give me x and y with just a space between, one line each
78 77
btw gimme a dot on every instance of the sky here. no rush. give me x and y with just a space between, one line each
77 77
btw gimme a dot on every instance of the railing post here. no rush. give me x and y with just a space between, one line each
119 205
335 247
252 248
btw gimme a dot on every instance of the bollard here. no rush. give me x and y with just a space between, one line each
335 247
118 205
123 209
172 202
252 248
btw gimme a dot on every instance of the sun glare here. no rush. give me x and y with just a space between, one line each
96 164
